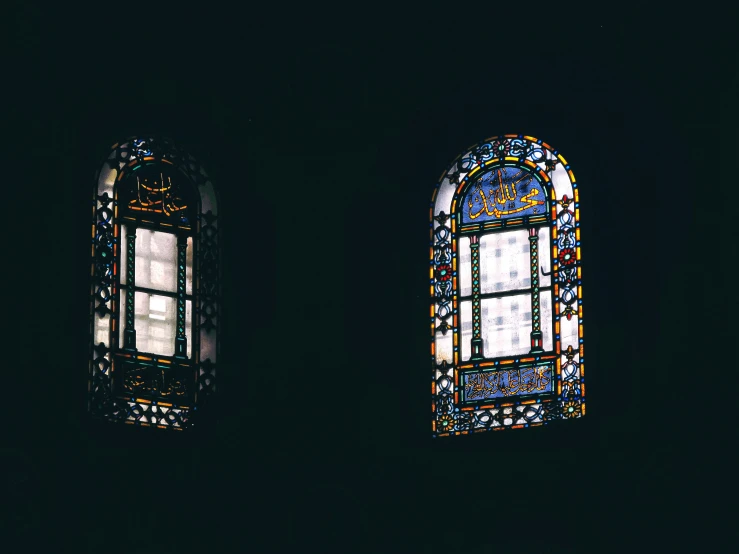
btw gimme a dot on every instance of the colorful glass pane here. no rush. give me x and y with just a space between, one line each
506 308
155 264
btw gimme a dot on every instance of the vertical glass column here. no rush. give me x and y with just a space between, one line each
180 350
129 334
536 334
476 341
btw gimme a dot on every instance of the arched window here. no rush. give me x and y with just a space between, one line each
155 287
506 309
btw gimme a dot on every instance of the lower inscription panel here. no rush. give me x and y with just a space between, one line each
501 383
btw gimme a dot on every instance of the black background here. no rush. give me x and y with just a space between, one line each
325 133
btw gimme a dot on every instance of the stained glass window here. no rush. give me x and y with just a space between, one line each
155 287
506 292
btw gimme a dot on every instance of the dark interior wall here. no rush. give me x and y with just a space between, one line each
325 148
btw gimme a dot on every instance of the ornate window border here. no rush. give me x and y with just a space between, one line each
506 394
111 395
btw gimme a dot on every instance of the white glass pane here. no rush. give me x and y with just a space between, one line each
102 330
208 199
444 347
444 198
504 261
155 323
464 266
107 180
465 322
545 306
188 275
561 182
207 345
122 249
545 254
506 325
156 260
568 331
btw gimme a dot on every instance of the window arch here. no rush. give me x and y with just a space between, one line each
506 293
155 286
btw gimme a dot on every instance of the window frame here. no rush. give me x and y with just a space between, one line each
516 390
128 385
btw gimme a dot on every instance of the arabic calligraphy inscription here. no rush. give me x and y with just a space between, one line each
501 193
507 382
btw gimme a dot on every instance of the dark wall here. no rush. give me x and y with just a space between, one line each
325 145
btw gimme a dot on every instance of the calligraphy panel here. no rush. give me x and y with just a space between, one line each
502 383
157 381
502 193
155 194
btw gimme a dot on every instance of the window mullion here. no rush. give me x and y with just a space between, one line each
536 334
181 338
129 335
476 342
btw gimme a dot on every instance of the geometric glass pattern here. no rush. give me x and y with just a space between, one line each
155 293
505 281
